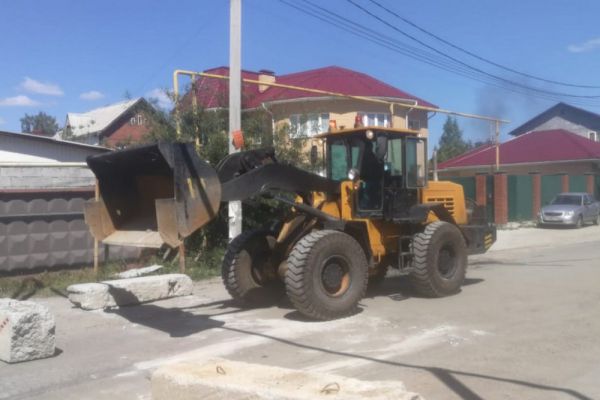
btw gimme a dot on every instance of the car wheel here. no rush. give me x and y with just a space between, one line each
597 219
579 222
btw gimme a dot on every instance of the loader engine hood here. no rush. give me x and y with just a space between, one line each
151 195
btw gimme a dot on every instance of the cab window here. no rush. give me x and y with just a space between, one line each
344 155
416 163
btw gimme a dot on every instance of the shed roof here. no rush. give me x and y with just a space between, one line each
532 147
213 93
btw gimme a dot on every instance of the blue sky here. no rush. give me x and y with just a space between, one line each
70 56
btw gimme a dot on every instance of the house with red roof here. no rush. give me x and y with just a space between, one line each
307 113
544 151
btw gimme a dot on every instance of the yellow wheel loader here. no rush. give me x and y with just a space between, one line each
373 209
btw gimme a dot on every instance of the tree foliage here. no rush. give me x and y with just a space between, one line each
39 124
451 142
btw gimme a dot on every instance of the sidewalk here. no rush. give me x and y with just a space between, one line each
541 237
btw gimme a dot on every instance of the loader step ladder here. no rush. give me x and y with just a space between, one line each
405 253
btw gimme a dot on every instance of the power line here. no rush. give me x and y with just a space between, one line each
480 58
368 12
355 28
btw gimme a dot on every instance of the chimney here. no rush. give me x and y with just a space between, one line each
264 75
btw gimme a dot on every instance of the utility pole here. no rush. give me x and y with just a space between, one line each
235 100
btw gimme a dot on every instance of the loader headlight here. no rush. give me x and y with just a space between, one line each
353 174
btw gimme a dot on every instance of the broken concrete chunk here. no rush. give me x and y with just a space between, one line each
220 379
122 292
89 296
26 331
133 273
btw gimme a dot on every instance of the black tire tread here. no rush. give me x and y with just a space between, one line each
229 265
296 290
420 278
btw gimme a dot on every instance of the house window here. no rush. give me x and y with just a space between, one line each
307 125
376 119
414 124
593 136
137 120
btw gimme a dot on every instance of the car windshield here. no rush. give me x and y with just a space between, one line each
570 200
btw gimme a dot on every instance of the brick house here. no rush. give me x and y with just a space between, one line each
115 125
545 151
563 116
307 113
534 167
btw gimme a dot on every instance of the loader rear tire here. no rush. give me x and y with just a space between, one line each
243 269
439 260
327 275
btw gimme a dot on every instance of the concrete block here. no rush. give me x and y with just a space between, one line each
89 296
219 379
26 331
122 292
133 273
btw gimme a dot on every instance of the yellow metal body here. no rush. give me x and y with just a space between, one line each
383 235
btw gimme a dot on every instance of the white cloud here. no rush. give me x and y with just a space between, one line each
589 45
18 101
162 99
91 95
33 86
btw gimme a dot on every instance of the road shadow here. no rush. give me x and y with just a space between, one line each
297 316
175 322
472 281
180 322
449 377
398 288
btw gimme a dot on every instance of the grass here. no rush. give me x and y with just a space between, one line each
52 283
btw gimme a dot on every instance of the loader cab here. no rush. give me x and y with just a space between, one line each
388 167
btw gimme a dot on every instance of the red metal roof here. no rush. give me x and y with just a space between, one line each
212 93
533 147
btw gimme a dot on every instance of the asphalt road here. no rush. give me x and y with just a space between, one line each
525 326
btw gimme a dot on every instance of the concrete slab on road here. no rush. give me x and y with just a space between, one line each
525 326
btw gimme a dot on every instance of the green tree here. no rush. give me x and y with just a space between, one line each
451 142
39 124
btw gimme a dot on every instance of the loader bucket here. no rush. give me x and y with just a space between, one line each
151 195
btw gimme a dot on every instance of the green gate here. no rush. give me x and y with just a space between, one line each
551 186
577 183
520 193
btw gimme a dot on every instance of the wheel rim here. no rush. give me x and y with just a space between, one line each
335 276
447 262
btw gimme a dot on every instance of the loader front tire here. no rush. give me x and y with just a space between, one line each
327 275
244 269
439 260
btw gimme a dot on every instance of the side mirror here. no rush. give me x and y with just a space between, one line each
382 144
314 154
